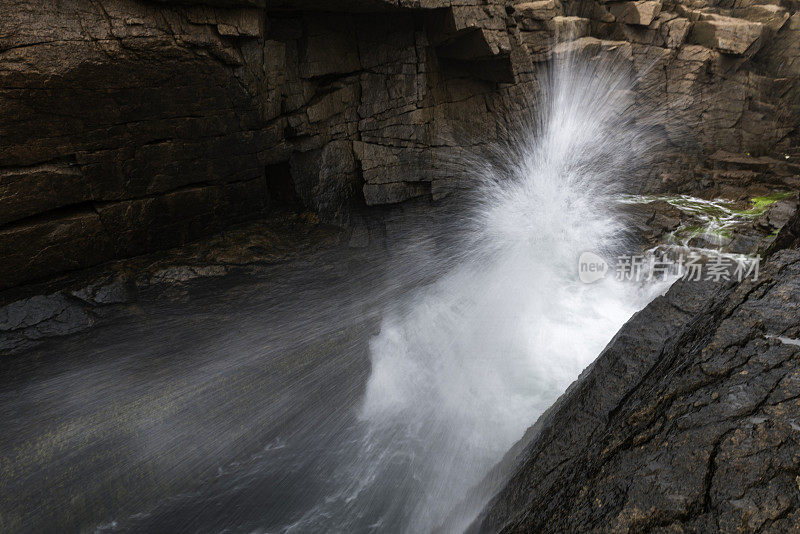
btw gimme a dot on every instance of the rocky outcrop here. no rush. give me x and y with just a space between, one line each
130 126
639 13
688 421
789 235
729 35
36 313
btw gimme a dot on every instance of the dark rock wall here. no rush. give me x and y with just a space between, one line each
688 422
132 125
124 129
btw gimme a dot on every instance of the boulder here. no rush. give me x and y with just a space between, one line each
641 12
540 10
569 28
728 35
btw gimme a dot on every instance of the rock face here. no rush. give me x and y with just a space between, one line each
789 235
640 13
688 421
130 126
33 314
729 35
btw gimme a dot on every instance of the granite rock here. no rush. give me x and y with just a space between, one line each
686 422
132 126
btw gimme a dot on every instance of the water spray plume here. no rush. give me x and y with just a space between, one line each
464 365
322 397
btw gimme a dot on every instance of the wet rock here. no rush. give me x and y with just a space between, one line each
24 322
709 241
693 432
184 273
83 300
360 237
779 213
26 319
653 221
789 235
27 191
746 243
111 290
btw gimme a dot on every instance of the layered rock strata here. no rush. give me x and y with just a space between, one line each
132 125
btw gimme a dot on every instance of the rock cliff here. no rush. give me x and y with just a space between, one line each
688 421
132 125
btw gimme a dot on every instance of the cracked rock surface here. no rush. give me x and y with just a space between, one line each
688 422
130 126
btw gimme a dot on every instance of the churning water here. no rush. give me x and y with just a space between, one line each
462 367
209 421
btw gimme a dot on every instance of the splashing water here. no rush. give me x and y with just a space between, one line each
236 413
712 220
466 364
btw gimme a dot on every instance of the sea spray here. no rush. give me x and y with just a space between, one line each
464 365
343 390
